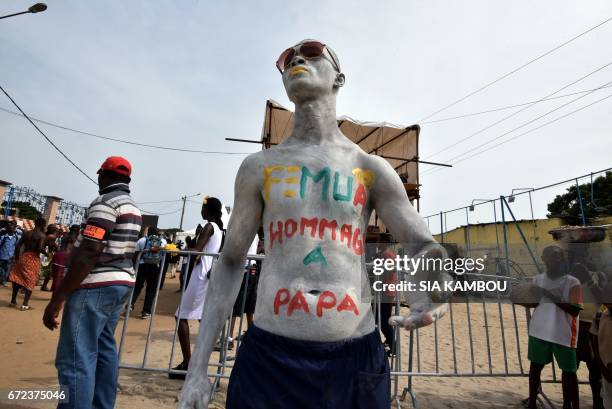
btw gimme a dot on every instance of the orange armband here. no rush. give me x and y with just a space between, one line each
94 232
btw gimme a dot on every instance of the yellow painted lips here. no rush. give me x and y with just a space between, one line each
297 70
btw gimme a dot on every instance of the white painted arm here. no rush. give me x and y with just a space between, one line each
392 205
226 277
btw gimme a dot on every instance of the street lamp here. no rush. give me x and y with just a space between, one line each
471 207
511 197
533 221
35 8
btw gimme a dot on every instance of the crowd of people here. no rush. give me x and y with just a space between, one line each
110 253
103 259
26 257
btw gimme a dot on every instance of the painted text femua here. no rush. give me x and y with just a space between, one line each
351 189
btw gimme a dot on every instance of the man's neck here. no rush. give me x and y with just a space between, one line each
113 186
315 122
554 274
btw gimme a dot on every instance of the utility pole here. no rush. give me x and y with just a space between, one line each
182 212
184 199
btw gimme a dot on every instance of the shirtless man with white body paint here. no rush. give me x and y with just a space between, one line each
313 340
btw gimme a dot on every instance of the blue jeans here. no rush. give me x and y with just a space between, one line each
86 359
5 266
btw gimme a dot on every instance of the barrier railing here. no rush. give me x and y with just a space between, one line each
488 338
221 365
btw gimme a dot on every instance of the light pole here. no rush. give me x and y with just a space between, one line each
35 8
467 226
518 189
184 198
471 207
533 221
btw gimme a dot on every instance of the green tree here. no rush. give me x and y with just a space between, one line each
596 202
24 210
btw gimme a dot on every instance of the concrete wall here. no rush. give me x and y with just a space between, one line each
478 240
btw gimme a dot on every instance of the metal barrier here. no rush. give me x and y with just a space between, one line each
502 355
224 357
480 336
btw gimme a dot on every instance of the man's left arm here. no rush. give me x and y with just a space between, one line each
83 260
573 305
392 205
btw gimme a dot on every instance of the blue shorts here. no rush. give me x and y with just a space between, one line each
275 372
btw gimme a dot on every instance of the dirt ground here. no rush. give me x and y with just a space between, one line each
28 352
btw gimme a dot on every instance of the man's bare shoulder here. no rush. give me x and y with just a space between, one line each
256 161
378 165
251 170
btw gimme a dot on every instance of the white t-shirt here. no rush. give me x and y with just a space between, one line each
551 323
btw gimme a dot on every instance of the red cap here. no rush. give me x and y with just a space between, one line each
117 164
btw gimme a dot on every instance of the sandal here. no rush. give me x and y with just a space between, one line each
180 367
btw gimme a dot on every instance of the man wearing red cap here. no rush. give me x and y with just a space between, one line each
99 278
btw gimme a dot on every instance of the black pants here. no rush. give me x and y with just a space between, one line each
584 352
183 275
275 372
149 274
164 271
386 309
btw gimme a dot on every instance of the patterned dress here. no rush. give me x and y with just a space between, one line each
26 270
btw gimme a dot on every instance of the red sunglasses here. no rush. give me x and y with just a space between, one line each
310 50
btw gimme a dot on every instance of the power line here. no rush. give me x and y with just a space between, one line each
46 137
537 127
519 111
522 193
527 132
161 214
515 70
488 111
526 123
107 138
159 201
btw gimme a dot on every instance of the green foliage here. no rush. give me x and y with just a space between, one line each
24 210
567 206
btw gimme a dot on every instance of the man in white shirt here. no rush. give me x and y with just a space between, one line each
553 330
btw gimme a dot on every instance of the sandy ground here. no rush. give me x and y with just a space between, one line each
28 351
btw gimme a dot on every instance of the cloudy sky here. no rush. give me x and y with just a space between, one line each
191 73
